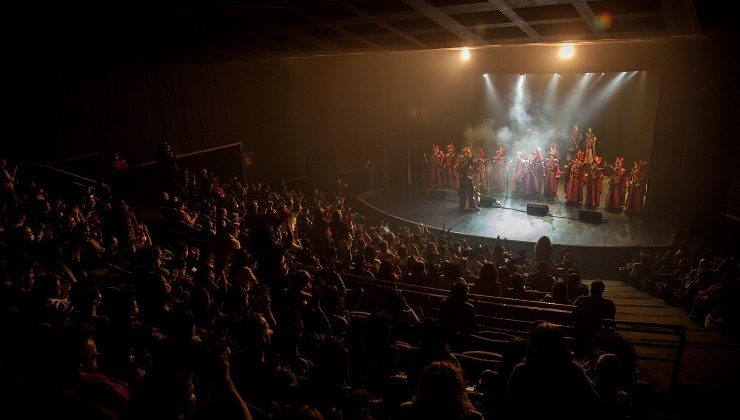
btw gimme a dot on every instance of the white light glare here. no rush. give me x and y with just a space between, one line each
567 51
465 54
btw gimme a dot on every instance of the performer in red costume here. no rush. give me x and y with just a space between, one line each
437 161
533 174
465 158
617 187
552 173
574 139
576 180
448 172
637 188
479 171
498 172
590 149
519 172
594 183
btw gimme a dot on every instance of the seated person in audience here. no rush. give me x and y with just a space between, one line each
440 395
451 274
559 294
417 275
517 290
540 280
359 268
590 313
615 404
565 267
456 314
575 287
387 271
487 282
549 383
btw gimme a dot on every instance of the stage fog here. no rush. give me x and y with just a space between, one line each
528 111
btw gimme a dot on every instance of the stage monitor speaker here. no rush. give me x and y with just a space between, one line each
438 194
590 216
537 209
487 201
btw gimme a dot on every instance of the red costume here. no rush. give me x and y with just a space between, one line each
479 171
533 174
573 140
436 163
576 179
448 173
498 172
590 151
617 187
637 188
594 183
552 173
519 172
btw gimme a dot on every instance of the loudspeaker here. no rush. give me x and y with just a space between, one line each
537 209
438 194
487 201
589 216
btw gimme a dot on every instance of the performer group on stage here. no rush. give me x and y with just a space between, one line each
530 175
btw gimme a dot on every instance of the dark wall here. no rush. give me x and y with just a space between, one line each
374 106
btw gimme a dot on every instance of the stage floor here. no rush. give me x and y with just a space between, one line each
512 221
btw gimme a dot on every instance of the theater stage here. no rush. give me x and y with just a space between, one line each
618 237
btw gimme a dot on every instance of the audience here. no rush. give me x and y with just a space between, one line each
706 286
239 308
550 377
590 313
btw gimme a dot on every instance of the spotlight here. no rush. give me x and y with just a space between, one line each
485 75
567 51
465 54
602 73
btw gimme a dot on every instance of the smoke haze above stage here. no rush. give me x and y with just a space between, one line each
521 111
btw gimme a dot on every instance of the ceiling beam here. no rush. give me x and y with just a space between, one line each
588 15
270 43
302 36
339 29
679 17
511 14
445 21
382 24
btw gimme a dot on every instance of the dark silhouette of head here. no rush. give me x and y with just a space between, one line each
441 391
597 288
459 292
559 292
488 273
548 350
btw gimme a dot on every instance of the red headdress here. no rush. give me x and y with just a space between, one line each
500 152
553 151
481 153
450 147
619 161
467 151
640 165
536 154
597 160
